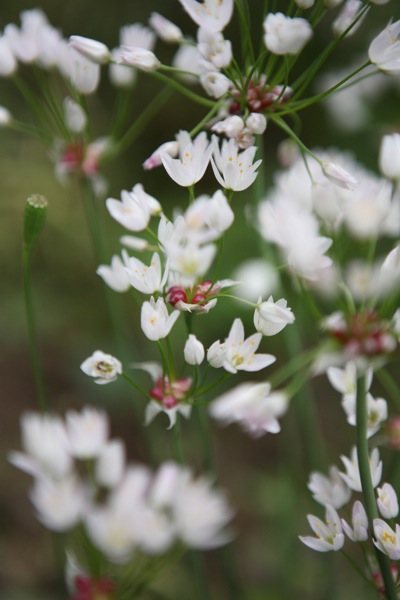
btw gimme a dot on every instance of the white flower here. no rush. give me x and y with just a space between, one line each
155 408
193 160
60 505
212 15
110 464
193 351
387 540
5 117
103 366
87 432
256 277
165 29
338 175
234 170
347 15
154 159
284 35
115 276
345 380
376 410
8 62
359 521
135 209
214 48
387 502
140 58
231 126
389 156
215 83
74 116
352 475
200 513
91 49
137 35
271 317
253 405
238 354
120 75
257 123
304 3
84 74
44 439
155 321
329 490
384 50
109 529
329 533
146 279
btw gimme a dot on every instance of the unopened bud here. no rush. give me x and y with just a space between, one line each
91 49
34 219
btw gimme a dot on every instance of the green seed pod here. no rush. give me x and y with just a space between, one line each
34 219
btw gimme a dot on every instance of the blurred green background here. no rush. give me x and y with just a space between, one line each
265 478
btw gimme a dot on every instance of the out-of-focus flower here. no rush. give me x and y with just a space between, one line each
155 322
146 279
234 170
271 317
231 126
387 540
389 155
8 62
237 354
59 504
140 58
329 533
110 464
253 405
305 3
5 117
103 366
87 432
387 502
44 439
347 15
193 160
384 51
359 520
84 74
115 276
345 380
91 49
284 35
212 15
165 29
330 490
193 351
256 278
74 116
352 475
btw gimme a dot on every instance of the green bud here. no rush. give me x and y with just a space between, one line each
34 219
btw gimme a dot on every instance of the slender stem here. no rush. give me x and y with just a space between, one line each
135 385
390 385
33 345
182 89
366 482
357 568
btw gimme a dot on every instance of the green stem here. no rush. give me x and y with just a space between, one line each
182 89
135 385
357 568
33 345
390 385
366 482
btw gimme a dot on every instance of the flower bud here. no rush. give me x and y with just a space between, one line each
5 117
304 3
34 219
193 351
142 59
74 116
339 176
271 317
257 123
91 49
165 29
231 126
215 83
389 156
387 502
